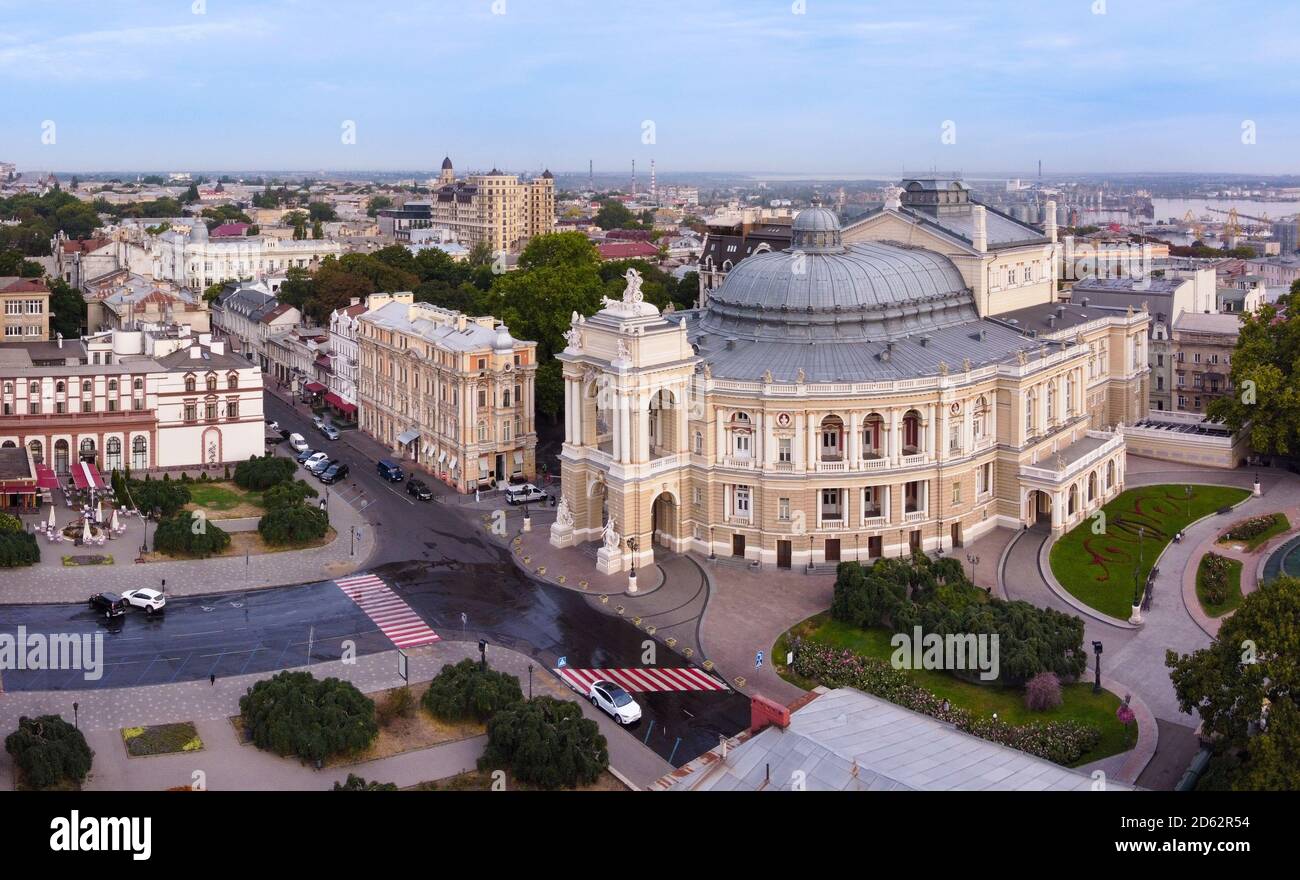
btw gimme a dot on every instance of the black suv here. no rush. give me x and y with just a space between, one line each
419 489
111 604
336 471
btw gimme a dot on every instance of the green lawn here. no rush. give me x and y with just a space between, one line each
1280 524
1078 702
1233 594
224 498
1099 569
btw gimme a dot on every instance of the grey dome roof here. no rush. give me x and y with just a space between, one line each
816 219
865 292
446 163
816 229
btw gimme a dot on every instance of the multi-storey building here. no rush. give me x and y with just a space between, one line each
451 392
496 209
842 401
1202 353
122 300
143 399
344 327
247 315
24 310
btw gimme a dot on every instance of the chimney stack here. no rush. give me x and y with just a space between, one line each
980 237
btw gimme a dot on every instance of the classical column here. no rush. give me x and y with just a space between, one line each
851 447
720 438
941 450
931 430
814 428
640 427
569 434
681 419
799 448
895 440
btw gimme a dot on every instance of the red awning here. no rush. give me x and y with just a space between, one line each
314 387
339 403
84 476
46 478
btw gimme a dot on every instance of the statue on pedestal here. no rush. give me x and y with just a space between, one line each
609 537
563 515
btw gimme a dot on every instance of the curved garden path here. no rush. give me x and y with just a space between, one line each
1134 659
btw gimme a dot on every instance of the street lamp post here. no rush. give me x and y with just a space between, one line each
974 560
530 681
1096 649
1188 492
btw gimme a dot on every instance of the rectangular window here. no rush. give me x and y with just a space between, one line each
190 412
783 452
210 410
956 494
742 500
232 409
783 509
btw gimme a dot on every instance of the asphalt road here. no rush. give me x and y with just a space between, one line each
434 558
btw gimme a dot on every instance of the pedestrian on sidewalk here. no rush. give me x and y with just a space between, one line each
212 679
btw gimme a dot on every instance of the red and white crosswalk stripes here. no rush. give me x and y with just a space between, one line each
643 678
389 611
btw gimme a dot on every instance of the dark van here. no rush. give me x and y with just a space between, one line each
109 604
390 471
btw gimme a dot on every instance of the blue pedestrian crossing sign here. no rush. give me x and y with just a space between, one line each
562 662
758 660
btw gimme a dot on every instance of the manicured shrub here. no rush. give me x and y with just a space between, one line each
18 548
166 496
1251 528
293 713
466 690
190 534
547 743
48 751
293 524
10 524
287 494
258 474
1043 692
358 783
902 594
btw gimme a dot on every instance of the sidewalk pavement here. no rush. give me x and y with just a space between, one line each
52 581
229 765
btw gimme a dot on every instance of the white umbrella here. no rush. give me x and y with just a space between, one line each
113 525
51 523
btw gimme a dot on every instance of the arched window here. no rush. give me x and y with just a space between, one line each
85 386
190 384
34 388
139 453
58 386
232 381
138 384
9 388
112 384
87 449
698 443
212 381
38 451
113 454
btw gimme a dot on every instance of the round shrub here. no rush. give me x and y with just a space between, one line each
18 549
190 534
287 494
293 713
293 524
10 524
547 743
466 690
258 474
1043 692
48 751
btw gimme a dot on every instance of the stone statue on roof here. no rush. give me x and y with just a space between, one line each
632 293
800 376
943 368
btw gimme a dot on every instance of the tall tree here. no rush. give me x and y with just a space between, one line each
1266 378
1246 688
67 310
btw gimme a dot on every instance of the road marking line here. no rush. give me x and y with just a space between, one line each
395 618
642 679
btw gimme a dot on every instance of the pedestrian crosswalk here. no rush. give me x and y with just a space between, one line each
643 678
389 611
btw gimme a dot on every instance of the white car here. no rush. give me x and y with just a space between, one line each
315 459
272 425
330 431
151 601
612 699
297 443
525 494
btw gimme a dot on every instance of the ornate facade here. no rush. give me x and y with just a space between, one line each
837 402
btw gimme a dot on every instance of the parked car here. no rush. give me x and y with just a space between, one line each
317 421
390 470
526 493
318 466
612 699
273 426
330 431
315 459
305 454
150 600
336 471
298 442
419 489
109 604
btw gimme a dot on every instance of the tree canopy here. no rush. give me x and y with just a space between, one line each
1266 378
294 713
49 750
546 742
1246 686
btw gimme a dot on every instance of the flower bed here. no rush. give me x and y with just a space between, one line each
1062 742
1218 584
1255 531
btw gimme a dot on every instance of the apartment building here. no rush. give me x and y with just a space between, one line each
451 392
1203 348
24 309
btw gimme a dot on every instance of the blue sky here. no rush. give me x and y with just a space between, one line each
743 85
